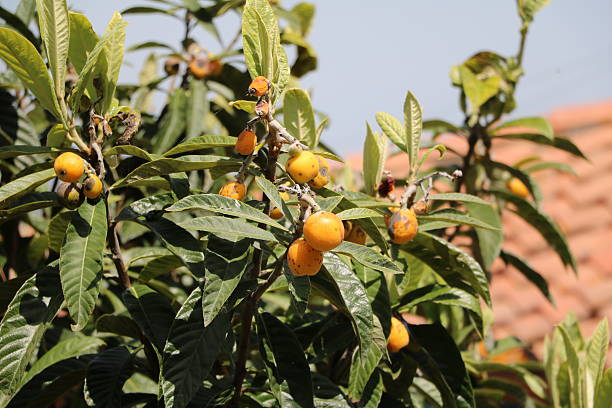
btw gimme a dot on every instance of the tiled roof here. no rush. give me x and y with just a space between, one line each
582 206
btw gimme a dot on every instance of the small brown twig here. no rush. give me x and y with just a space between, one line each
410 194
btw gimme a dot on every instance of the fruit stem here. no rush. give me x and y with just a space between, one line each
410 194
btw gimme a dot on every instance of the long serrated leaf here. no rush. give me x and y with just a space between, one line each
65 349
288 370
413 123
465 198
57 230
106 375
596 351
603 395
299 116
356 213
23 185
197 109
299 289
55 31
165 166
393 129
230 226
190 351
26 318
202 142
367 257
25 61
558 142
361 371
173 123
573 362
373 159
457 218
533 188
130 150
151 311
535 125
439 294
489 241
82 41
543 224
81 260
223 205
271 191
7 152
114 49
159 266
225 264
534 277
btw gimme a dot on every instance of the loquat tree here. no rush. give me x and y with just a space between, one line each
155 260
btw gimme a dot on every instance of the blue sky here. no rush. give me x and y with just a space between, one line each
411 45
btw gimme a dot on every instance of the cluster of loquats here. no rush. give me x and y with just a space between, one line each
198 66
69 168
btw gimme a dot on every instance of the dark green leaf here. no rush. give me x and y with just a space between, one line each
106 374
535 125
367 257
202 142
234 227
173 122
23 185
522 266
118 324
489 241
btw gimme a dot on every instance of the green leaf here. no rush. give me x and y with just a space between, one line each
464 198
536 125
542 223
550 165
190 351
489 241
528 8
445 295
173 123
373 159
573 362
225 264
29 202
558 142
357 213
180 242
55 32
286 364
65 349
439 147
223 205
457 218
246 106
393 129
146 206
106 375
525 178
261 42
522 266
20 20
228 226
197 109
478 91
299 289
413 118
82 42
165 166
338 283
367 257
57 230
8 152
41 297
57 388
159 266
151 311
299 117
118 324
361 371
596 351
81 260
23 185
131 151
328 155
25 61
114 49
603 395
451 263
271 191
202 142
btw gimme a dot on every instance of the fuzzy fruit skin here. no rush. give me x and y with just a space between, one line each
421 207
388 217
516 186
233 189
246 142
398 336
356 235
403 226
198 67
322 177
303 167
276 212
69 167
172 65
324 231
92 186
214 67
259 86
304 260
70 195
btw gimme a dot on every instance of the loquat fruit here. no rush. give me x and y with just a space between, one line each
276 212
215 67
322 177
421 207
303 167
516 186
303 259
172 65
323 230
403 226
398 336
69 167
246 142
92 186
259 86
70 195
356 235
262 108
233 189
198 67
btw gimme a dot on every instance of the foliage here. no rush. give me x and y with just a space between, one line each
163 292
